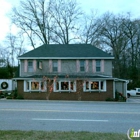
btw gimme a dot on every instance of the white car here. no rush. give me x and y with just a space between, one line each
133 92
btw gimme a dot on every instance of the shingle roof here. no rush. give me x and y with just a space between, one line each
66 50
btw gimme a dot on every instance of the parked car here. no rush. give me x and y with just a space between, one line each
133 92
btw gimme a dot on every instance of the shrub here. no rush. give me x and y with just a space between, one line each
9 97
120 97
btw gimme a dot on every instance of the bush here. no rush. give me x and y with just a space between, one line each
8 97
120 97
14 93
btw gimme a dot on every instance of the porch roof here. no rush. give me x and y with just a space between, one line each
66 76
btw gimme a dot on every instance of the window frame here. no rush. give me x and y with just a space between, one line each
98 65
30 68
82 65
30 86
59 89
99 88
55 62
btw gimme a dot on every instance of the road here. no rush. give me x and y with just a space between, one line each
69 116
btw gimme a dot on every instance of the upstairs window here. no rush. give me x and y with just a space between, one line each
98 65
82 65
40 64
30 66
55 66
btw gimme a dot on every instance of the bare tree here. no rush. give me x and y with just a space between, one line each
65 19
91 29
132 32
3 56
113 37
46 22
33 18
14 47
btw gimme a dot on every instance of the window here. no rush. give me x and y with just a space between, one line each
87 85
98 65
40 64
94 86
65 86
82 65
55 66
34 86
30 66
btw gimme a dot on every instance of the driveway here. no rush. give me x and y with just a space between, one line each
133 100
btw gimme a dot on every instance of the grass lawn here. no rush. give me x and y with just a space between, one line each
42 135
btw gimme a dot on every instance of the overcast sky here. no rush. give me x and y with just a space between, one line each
102 6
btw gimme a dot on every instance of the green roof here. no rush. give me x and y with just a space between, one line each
66 51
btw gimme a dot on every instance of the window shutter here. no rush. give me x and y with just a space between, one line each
34 65
94 66
102 65
87 66
59 65
50 65
25 65
77 65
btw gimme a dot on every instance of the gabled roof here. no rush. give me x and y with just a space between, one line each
66 51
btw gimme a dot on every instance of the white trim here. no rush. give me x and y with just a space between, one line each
117 79
89 86
69 84
65 58
30 82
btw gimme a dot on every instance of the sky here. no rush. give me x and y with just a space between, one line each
102 6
